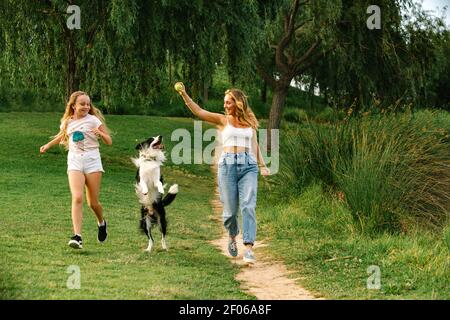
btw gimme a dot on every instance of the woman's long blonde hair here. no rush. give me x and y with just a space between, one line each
68 113
243 113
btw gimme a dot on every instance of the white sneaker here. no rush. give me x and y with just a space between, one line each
249 256
76 242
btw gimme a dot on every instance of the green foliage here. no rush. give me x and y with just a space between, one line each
313 233
446 236
295 115
329 114
392 169
126 51
128 54
402 63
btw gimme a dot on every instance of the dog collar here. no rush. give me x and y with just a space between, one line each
150 159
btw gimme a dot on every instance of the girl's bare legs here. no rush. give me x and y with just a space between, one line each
93 181
76 183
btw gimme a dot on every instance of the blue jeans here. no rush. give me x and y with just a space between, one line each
238 184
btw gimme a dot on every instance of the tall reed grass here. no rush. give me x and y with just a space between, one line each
393 171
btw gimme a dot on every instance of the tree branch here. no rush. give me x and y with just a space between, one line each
266 77
290 58
306 55
300 69
280 58
301 25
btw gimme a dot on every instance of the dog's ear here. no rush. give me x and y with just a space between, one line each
143 144
140 145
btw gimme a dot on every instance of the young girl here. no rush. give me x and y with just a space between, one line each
238 170
81 125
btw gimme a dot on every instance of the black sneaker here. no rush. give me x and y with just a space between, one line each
76 242
101 236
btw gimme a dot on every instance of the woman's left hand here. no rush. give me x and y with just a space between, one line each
265 171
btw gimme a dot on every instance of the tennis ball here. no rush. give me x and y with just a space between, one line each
179 86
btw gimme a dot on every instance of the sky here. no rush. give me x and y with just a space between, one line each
432 5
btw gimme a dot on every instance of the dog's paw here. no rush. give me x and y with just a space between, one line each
143 188
164 244
173 189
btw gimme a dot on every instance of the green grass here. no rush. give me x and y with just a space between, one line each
391 169
372 191
314 234
36 225
311 230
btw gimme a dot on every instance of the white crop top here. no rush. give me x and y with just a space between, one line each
237 137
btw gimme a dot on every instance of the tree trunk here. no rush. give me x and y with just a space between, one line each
169 63
311 93
264 92
276 110
195 92
205 91
72 81
278 100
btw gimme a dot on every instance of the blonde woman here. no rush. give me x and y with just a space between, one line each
237 167
81 126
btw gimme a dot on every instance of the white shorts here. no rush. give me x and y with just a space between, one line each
86 162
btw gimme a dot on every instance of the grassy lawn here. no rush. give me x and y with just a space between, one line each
318 215
35 223
313 234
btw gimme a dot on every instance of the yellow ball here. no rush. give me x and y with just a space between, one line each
179 86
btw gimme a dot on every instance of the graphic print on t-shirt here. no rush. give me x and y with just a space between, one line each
82 139
78 138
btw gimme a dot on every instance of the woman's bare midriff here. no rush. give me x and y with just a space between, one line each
235 149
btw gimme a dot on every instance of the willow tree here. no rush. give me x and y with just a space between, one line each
428 69
296 35
121 49
40 50
372 67
199 35
331 43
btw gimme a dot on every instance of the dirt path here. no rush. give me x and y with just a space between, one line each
266 279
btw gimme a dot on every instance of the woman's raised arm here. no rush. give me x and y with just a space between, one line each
211 117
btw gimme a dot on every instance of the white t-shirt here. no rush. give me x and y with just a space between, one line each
81 137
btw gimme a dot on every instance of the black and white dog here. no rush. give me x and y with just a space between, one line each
150 189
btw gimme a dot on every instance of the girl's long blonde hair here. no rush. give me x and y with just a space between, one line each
243 113
68 113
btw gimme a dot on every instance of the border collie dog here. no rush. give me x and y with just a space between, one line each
150 189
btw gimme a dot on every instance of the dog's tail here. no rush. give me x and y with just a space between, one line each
170 196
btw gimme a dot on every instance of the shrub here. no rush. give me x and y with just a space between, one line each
295 115
329 114
392 170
